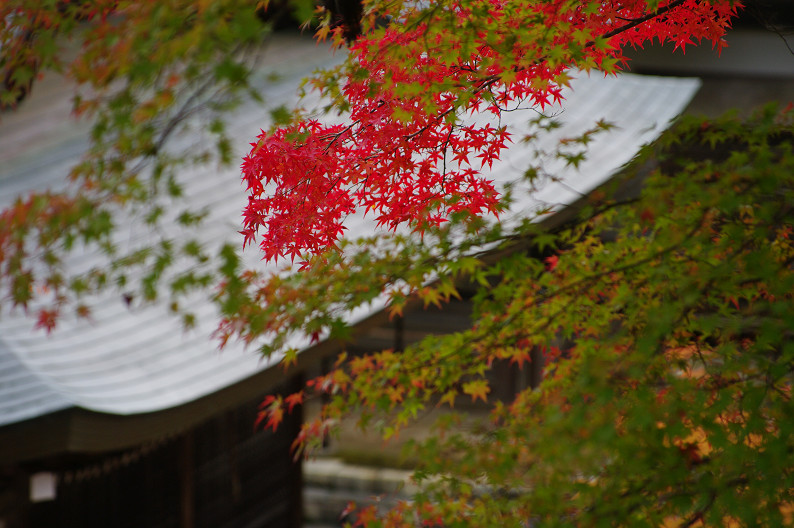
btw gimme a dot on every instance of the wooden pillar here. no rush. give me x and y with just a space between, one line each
16 509
187 506
298 382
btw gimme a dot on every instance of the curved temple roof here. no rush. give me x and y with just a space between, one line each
129 360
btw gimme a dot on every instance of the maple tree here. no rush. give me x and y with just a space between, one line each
664 319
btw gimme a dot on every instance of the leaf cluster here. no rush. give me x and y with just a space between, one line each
142 73
409 153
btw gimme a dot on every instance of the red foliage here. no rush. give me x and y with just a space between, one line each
405 156
271 412
47 319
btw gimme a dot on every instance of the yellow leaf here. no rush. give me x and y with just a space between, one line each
477 389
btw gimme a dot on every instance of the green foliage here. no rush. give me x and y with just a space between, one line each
141 70
676 384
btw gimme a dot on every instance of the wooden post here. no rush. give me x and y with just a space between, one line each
187 510
297 469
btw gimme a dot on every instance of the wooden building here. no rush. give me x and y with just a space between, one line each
201 465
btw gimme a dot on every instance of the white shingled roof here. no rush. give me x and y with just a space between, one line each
136 360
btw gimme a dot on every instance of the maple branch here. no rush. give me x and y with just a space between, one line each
697 516
637 21
398 127
488 81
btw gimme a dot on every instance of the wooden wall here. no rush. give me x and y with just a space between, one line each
220 474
